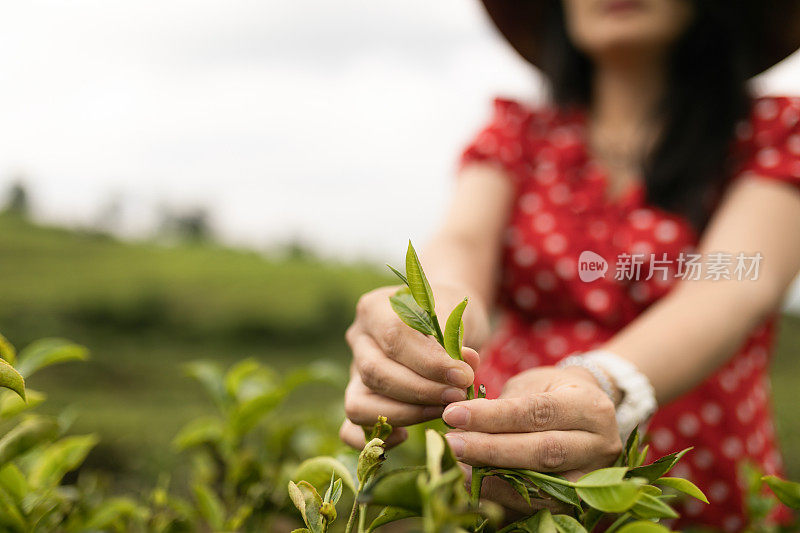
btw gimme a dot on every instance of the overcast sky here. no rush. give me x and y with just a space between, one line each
335 122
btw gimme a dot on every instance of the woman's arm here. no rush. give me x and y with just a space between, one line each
693 330
400 373
463 256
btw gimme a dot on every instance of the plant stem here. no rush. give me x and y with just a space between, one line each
478 472
362 517
437 328
350 521
551 479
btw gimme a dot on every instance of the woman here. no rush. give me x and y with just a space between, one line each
652 152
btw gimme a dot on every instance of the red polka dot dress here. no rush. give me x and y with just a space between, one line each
561 209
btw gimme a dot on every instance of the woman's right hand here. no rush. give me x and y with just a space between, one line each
398 372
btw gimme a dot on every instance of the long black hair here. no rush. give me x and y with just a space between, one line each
706 96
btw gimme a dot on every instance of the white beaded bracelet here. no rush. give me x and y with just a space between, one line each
638 396
594 370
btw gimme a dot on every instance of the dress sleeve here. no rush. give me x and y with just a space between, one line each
502 141
773 140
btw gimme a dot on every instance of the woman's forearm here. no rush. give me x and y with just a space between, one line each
685 337
696 328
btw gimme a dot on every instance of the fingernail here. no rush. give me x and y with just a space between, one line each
453 395
456 415
457 377
456 444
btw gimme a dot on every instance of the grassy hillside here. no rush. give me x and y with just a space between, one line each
144 309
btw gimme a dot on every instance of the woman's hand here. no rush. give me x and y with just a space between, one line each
546 419
398 372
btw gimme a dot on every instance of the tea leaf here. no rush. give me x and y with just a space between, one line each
248 414
388 515
434 452
683 485
517 484
209 375
13 481
46 352
199 431
381 430
417 282
7 350
11 404
397 488
209 505
649 506
606 490
317 471
59 458
657 468
11 379
558 491
567 524
541 522
398 274
643 526
109 512
454 331
411 313
786 491
25 436
370 460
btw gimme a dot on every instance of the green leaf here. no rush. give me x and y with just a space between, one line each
209 375
201 430
10 514
657 468
388 515
649 506
381 430
567 524
308 501
11 404
541 522
11 379
683 485
606 490
454 331
434 452
45 352
13 481
411 313
7 351
370 460
398 274
417 282
786 491
59 458
211 508
643 526
518 485
397 488
248 378
110 511
317 471
248 414
26 435
558 491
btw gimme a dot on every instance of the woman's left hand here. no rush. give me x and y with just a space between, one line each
546 419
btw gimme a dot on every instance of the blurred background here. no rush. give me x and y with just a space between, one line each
201 179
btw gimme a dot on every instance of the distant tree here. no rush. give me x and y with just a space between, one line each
192 225
18 200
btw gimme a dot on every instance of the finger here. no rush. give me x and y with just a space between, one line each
363 407
563 409
353 436
396 381
471 357
547 451
412 349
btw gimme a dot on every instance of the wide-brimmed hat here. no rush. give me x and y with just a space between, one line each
522 23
